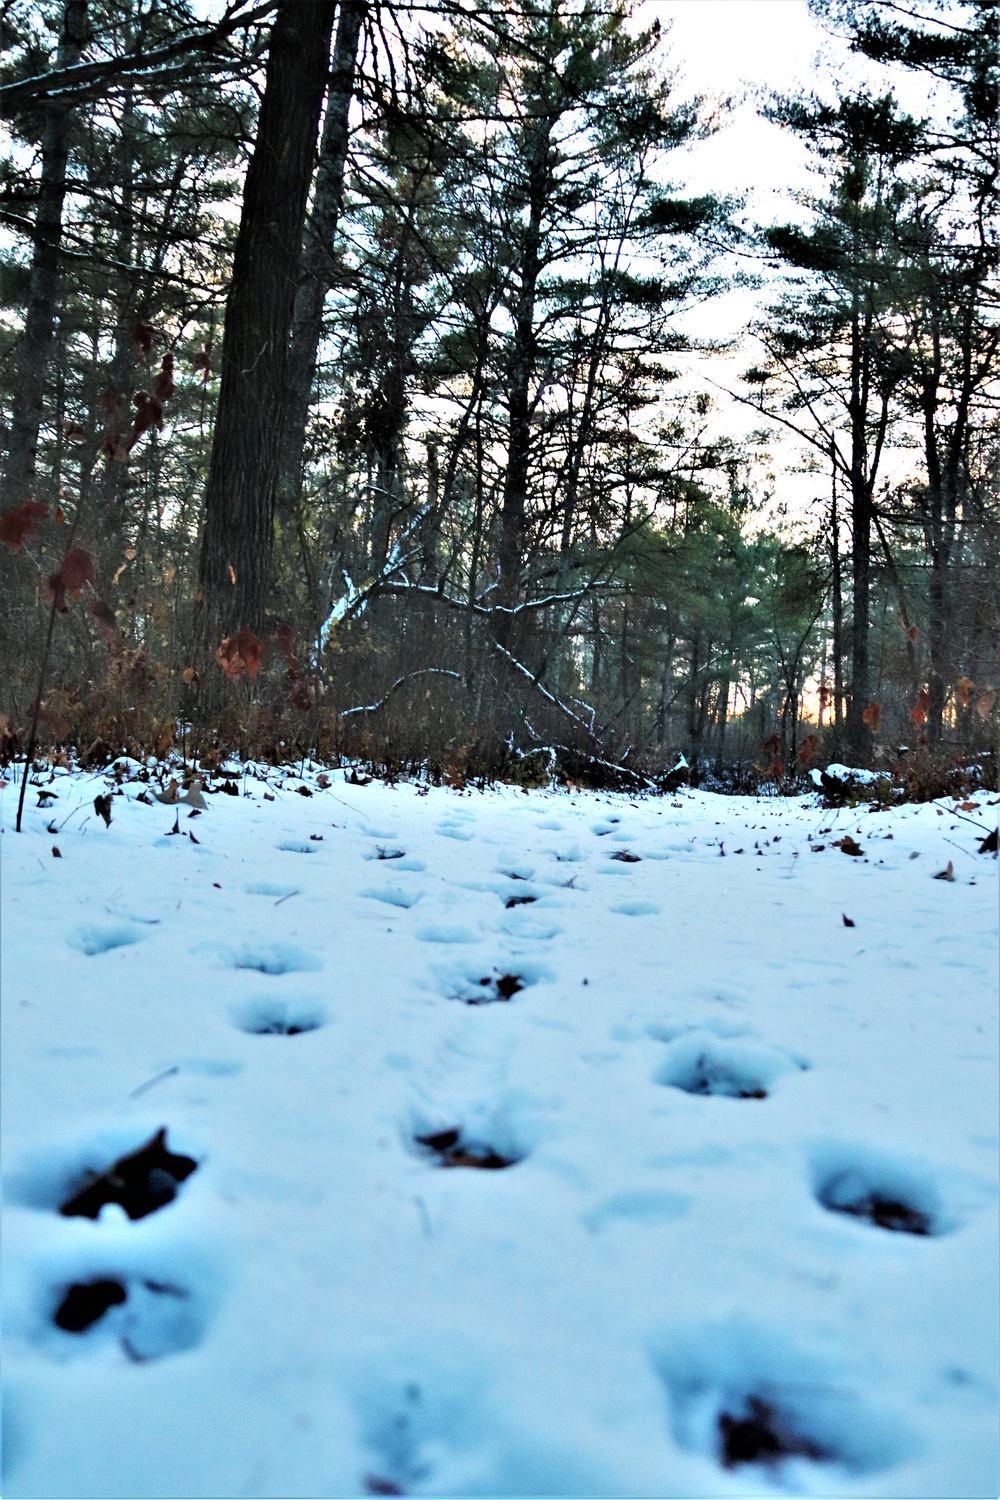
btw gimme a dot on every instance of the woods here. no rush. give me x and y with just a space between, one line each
357 348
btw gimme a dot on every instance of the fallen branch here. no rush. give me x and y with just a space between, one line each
370 708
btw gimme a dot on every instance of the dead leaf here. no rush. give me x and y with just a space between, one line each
104 616
169 795
18 524
847 920
193 796
848 845
808 749
56 853
964 687
77 568
102 807
192 677
239 653
918 713
947 874
872 716
985 702
990 843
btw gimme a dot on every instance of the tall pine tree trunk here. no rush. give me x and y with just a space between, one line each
238 542
521 369
36 339
317 253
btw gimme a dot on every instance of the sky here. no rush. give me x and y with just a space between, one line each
738 50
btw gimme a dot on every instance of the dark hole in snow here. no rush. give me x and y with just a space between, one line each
87 1301
878 1208
450 1150
375 1485
501 988
282 1028
520 901
390 854
761 1435
141 1182
709 1076
626 856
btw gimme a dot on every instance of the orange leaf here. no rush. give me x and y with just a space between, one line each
240 653
18 524
872 716
964 687
808 749
76 570
918 713
232 574
985 702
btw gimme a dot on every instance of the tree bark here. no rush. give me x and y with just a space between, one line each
238 541
36 339
317 254
521 370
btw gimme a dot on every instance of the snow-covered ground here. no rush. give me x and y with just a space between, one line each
694 1087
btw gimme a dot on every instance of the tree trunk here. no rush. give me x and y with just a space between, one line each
238 542
521 369
36 339
858 736
317 252
837 610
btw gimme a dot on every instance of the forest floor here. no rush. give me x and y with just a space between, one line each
547 1143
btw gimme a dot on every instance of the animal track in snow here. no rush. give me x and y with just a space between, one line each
892 1193
477 984
745 1397
140 1182
149 1318
701 1062
452 1148
94 938
275 958
278 1015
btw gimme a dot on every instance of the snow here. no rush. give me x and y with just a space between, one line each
743 1196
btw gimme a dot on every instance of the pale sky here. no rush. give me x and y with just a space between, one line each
732 49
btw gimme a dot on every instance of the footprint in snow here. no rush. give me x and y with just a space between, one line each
273 958
747 1398
95 938
140 1177
149 1316
268 1015
455 831
455 1147
701 1062
897 1193
476 984
417 1427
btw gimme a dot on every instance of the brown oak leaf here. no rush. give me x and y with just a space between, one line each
18 524
77 568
